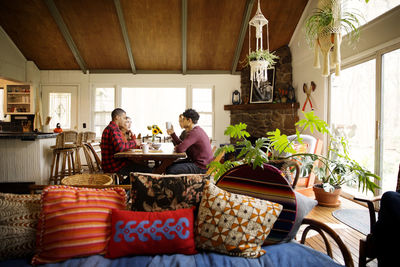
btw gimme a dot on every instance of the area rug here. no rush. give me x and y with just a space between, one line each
358 219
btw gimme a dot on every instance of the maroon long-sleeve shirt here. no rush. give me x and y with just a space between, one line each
196 145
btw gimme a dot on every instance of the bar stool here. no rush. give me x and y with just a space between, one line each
66 145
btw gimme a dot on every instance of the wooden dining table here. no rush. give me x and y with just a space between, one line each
162 157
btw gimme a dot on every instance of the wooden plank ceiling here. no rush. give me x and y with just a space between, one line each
164 36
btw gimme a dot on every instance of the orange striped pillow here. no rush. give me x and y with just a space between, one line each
75 222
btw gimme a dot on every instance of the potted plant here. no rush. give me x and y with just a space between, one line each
324 29
336 169
268 57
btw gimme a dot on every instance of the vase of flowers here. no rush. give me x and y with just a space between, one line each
155 130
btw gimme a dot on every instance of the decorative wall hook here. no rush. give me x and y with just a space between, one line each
308 92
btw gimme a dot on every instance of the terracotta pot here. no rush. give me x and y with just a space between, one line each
327 199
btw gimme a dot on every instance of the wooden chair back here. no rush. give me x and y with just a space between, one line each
92 159
218 158
66 139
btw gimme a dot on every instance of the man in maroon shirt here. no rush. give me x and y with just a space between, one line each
112 142
196 145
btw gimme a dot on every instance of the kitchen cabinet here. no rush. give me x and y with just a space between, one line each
18 99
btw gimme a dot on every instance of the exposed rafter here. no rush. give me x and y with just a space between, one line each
125 34
243 28
184 36
65 32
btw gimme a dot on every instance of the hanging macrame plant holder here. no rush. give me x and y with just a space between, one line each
259 66
329 39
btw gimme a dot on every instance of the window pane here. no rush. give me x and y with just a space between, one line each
370 10
205 122
60 110
104 105
101 120
148 106
202 99
353 111
104 99
391 119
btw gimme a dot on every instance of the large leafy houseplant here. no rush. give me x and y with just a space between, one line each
335 169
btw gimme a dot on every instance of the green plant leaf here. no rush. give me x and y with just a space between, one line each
237 131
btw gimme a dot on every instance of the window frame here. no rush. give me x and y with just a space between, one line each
376 54
93 102
212 113
189 96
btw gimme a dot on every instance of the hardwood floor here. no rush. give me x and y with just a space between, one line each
349 236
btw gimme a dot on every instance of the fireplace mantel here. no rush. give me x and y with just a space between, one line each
262 106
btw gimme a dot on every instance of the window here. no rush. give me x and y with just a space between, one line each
390 119
202 102
371 123
148 106
104 105
60 110
372 9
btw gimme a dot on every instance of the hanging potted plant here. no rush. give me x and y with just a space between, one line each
324 30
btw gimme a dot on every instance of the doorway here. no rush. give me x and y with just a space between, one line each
60 103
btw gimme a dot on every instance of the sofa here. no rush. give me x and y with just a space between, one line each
249 217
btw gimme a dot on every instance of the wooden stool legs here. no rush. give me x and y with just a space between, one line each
67 157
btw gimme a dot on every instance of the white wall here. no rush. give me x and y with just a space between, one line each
224 86
379 33
12 62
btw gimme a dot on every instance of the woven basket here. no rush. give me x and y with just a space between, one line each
87 179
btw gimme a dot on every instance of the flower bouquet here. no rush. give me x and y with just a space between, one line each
155 130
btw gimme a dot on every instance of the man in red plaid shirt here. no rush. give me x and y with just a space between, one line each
112 142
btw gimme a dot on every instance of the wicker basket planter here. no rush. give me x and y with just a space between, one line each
87 179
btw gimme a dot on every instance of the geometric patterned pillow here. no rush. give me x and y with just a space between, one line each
154 192
18 220
75 222
234 224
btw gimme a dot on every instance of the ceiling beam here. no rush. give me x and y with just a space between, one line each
184 36
243 28
125 34
66 34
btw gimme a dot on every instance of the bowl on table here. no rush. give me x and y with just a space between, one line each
156 146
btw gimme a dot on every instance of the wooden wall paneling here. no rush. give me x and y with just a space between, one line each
154 29
282 17
213 31
33 30
95 29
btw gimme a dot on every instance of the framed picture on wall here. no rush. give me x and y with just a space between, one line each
264 91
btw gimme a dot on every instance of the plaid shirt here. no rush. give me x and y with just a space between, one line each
112 142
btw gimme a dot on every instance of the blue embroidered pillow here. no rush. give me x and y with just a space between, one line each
141 233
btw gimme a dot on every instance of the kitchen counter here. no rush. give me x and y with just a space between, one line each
26 157
31 136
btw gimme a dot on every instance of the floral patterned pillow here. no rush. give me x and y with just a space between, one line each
154 192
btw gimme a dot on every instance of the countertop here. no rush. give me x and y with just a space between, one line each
31 136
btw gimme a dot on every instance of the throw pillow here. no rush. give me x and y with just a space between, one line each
154 192
266 183
18 220
304 206
234 224
75 222
137 232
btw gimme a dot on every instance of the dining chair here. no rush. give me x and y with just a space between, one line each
368 248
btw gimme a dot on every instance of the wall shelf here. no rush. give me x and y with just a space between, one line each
262 106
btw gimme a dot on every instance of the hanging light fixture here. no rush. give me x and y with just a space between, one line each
259 59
